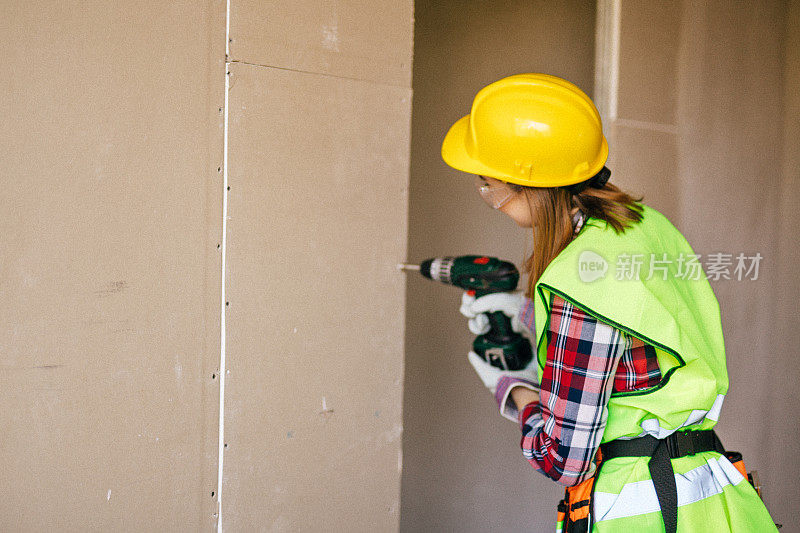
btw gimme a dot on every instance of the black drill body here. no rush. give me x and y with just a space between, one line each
502 347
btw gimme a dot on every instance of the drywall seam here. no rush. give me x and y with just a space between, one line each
645 125
371 82
613 96
607 47
223 295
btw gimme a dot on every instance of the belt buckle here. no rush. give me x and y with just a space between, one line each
682 444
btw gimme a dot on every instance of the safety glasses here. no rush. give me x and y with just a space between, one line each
494 192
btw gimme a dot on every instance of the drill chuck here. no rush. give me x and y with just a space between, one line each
438 269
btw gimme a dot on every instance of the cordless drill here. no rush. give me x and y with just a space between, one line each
501 347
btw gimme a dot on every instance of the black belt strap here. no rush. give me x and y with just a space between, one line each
660 451
663 478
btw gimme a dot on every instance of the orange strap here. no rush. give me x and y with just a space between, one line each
579 498
577 501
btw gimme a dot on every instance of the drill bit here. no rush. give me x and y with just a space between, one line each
407 266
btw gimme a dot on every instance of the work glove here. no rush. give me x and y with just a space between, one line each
491 376
475 310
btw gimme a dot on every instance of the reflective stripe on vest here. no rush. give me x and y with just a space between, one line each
652 427
639 497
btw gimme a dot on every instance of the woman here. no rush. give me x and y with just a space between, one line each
628 375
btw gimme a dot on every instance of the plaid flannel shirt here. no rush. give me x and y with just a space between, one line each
586 360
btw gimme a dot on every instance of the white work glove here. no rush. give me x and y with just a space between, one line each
475 310
490 375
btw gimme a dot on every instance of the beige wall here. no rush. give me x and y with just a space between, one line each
320 104
706 128
110 264
110 213
463 469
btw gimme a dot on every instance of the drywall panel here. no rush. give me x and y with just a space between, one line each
642 134
648 57
317 223
109 272
358 39
784 394
462 466
652 173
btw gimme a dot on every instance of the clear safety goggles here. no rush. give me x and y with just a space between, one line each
494 192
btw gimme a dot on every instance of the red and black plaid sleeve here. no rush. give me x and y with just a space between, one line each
586 360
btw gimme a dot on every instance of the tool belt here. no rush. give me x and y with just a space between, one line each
574 511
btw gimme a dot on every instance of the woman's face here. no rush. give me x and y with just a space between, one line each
503 197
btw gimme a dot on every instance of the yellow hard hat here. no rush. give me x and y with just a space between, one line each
530 129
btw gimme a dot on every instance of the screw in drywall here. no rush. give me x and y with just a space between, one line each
325 409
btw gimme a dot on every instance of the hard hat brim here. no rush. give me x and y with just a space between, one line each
455 154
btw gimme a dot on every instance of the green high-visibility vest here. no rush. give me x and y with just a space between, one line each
648 282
